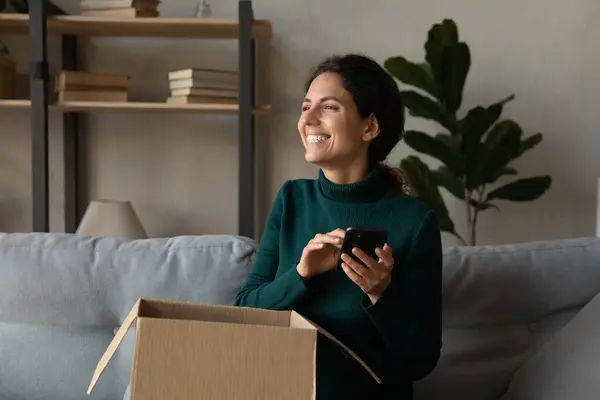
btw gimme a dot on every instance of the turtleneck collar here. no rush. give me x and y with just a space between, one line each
371 188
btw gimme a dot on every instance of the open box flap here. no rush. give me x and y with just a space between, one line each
114 344
299 321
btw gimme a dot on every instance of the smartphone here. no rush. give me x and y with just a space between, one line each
366 239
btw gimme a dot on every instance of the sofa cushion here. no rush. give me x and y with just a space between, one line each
565 367
61 296
502 302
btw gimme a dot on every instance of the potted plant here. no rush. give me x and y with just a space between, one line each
477 147
8 74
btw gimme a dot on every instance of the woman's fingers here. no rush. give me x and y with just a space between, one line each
385 255
355 266
340 233
328 239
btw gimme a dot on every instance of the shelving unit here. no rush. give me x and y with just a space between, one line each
38 24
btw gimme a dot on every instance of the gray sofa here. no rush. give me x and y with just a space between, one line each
511 313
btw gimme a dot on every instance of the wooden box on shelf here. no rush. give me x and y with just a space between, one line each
8 77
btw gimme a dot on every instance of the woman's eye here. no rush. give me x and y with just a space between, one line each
305 108
331 107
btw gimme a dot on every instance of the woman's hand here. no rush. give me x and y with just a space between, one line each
321 254
376 276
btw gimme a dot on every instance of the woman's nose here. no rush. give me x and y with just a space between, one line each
311 116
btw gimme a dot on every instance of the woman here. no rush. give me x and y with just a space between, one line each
388 310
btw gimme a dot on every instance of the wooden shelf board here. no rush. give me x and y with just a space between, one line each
135 27
82 106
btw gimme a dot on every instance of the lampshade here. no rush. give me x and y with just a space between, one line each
111 218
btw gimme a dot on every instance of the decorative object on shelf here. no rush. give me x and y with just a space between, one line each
120 8
203 85
478 148
91 86
3 48
8 77
111 218
203 9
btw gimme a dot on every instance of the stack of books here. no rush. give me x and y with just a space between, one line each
120 8
203 85
91 86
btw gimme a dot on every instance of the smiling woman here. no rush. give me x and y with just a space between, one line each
386 308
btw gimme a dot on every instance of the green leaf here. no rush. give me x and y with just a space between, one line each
473 128
424 107
451 141
446 179
411 74
530 143
423 143
483 206
455 62
502 145
477 122
439 36
423 183
527 189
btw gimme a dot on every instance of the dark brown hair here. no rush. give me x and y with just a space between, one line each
374 92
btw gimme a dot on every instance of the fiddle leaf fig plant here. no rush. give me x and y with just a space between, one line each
475 148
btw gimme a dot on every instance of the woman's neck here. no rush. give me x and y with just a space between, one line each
349 174
370 187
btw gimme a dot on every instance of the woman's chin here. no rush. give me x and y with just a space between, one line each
315 157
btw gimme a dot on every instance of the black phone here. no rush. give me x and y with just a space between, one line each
366 239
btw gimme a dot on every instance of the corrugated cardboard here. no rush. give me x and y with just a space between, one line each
186 351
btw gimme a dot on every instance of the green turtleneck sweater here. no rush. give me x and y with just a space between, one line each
400 336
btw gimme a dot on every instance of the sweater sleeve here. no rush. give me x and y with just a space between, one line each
408 315
262 288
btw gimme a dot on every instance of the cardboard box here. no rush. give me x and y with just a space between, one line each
186 351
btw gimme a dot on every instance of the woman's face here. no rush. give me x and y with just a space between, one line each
332 131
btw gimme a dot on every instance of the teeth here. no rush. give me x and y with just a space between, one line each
316 138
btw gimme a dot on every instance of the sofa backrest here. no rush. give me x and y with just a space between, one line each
500 304
62 296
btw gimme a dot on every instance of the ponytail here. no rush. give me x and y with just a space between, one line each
397 179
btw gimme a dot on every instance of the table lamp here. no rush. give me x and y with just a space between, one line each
111 218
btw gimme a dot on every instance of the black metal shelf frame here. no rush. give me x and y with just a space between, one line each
39 77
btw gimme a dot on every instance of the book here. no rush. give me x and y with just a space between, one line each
182 100
82 80
201 83
121 13
108 4
205 74
200 91
93 95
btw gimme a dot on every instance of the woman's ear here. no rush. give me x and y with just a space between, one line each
371 129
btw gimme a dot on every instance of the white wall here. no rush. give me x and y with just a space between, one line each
180 170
